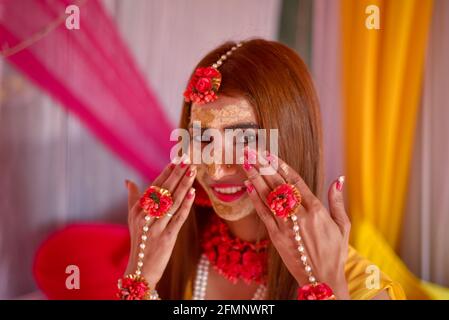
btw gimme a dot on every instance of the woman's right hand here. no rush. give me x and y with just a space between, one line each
162 232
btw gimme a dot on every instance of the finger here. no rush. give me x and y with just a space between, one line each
133 194
263 164
176 175
164 174
292 177
178 197
337 206
259 183
178 220
262 210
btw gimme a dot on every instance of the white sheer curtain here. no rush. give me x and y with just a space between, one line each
425 243
53 171
168 38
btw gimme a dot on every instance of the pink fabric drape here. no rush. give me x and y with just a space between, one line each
108 93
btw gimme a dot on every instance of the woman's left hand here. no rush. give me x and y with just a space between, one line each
325 234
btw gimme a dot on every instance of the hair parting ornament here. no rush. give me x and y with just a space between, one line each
205 81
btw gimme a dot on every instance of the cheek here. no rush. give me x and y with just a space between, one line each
201 173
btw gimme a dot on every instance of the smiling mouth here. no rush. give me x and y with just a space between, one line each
228 192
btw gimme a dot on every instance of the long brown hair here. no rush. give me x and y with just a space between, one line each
276 82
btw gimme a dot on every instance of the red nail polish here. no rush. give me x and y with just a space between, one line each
190 173
252 156
183 165
247 166
249 187
340 182
172 166
191 194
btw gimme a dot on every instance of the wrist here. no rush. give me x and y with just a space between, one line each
136 287
340 288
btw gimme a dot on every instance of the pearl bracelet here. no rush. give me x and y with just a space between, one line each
134 286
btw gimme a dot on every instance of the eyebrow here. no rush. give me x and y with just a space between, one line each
245 125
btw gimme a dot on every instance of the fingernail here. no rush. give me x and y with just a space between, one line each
246 165
252 156
190 172
340 182
249 186
269 157
191 193
185 161
172 166
175 161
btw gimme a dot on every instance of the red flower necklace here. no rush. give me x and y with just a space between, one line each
232 257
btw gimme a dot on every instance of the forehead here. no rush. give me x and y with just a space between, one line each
224 112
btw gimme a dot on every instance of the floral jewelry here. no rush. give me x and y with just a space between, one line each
284 200
232 257
134 286
205 82
315 290
156 201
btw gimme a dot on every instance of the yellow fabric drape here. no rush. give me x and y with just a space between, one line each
382 75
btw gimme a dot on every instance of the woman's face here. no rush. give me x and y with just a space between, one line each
224 182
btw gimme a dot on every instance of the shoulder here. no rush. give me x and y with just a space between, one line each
366 281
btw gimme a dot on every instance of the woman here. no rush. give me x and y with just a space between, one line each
241 246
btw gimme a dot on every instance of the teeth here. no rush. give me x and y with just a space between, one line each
230 190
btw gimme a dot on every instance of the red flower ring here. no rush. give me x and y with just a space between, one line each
203 86
133 287
284 200
156 201
317 291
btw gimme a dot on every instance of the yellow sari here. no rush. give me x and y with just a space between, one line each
359 273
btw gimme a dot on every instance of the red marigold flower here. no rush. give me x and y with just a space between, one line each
283 200
203 86
232 257
319 291
133 288
155 202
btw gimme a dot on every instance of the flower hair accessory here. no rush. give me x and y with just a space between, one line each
205 82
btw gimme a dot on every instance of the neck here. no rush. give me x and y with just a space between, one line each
249 228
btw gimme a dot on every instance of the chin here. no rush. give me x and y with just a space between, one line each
233 212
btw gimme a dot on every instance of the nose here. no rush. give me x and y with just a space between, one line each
218 171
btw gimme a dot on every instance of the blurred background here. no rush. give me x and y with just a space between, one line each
83 109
